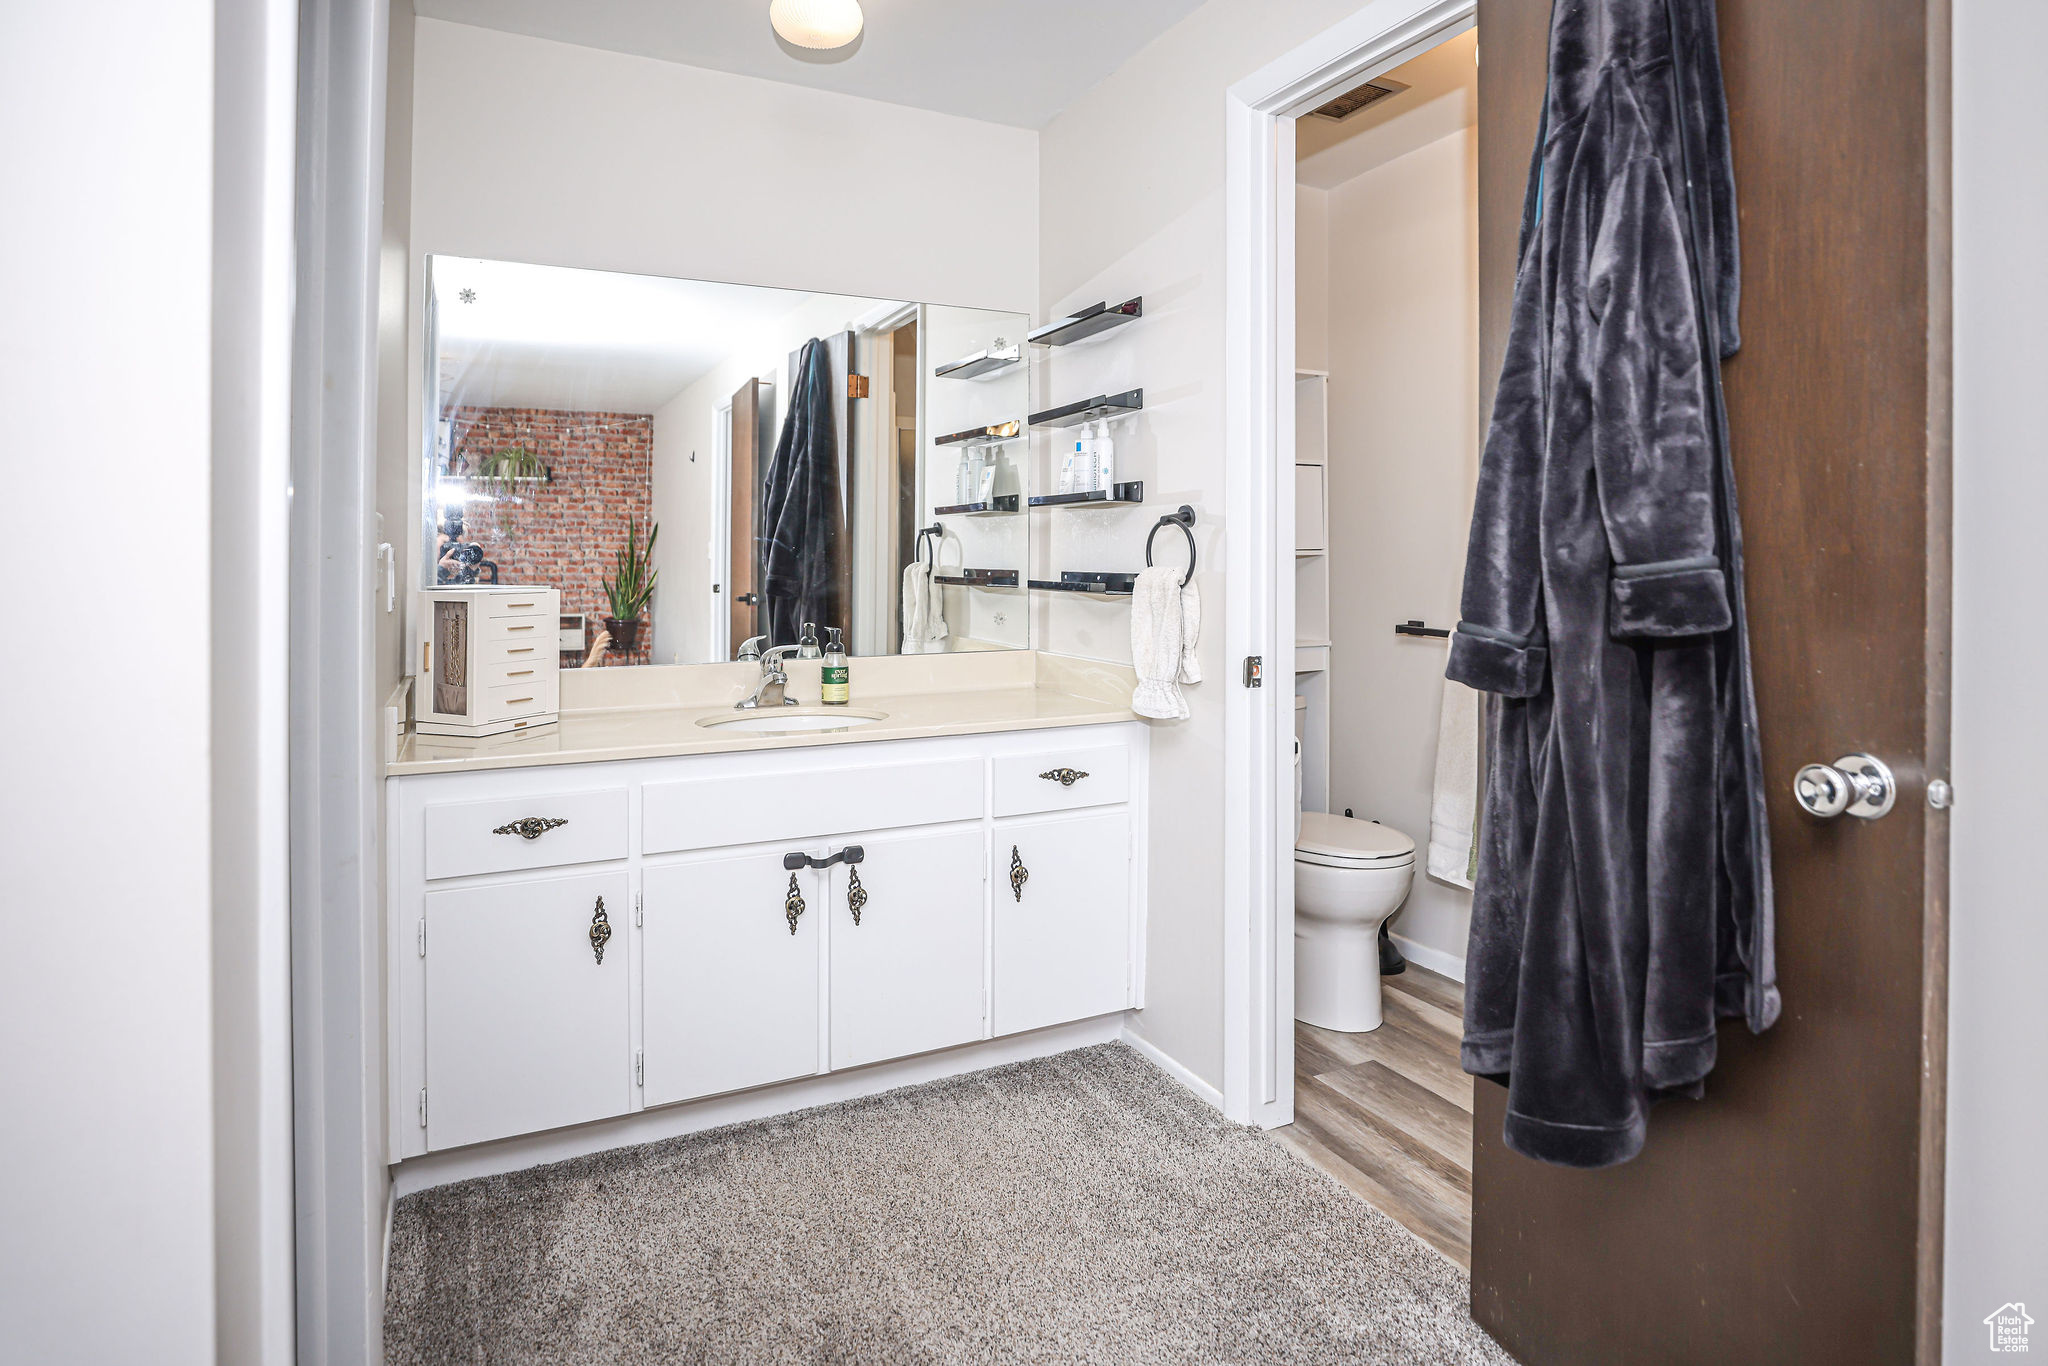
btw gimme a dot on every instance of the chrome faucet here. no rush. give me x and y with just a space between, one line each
768 692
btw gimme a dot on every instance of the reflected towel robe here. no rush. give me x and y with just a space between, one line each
1623 898
801 520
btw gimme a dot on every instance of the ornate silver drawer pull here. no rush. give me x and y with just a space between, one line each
1019 874
532 827
856 895
600 931
1065 777
793 904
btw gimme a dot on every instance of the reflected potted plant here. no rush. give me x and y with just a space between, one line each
630 587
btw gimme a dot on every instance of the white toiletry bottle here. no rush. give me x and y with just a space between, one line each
1105 459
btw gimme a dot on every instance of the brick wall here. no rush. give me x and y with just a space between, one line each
564 533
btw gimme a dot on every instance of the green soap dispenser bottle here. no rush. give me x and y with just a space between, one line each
835 690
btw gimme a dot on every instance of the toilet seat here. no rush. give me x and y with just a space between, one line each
1329 841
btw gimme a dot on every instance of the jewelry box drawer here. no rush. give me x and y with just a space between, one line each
539 603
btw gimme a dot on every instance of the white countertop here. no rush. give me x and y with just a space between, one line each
583 737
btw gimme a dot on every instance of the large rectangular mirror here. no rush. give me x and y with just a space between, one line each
706 470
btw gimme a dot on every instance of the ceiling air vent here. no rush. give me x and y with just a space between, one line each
1351 101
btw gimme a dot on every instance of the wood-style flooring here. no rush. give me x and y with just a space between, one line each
1389 1113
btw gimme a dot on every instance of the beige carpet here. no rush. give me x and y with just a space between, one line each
1079 1208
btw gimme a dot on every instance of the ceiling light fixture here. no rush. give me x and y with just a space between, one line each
820 24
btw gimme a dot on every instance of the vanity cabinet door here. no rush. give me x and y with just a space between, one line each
730 987
907 976
1062 890
527 1027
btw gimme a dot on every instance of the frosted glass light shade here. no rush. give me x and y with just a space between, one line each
816 23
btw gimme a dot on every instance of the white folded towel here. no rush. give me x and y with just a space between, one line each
1454 800
1190 632
934 613
1158 621
917 587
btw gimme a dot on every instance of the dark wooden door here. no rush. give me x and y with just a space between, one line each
742 579
1793 1215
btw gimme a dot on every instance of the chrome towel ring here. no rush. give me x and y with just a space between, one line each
1185 520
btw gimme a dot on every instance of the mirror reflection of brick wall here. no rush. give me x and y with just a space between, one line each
565 532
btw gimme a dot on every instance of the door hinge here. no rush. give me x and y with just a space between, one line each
639 1070
423 936
423 1107
1255 671
856 386
639 910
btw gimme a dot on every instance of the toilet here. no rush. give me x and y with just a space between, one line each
1349 876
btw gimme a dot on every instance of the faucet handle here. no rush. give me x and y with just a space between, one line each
751 647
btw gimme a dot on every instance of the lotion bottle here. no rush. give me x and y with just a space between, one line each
836 688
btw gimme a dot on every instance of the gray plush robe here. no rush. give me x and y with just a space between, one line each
1623 897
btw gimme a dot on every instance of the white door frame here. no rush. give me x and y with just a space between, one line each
718 640
1258 817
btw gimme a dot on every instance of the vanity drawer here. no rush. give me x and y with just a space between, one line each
752 808
1061 779
460 838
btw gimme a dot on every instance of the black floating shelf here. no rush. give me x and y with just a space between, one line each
979 578
981 364
1090 409
1002 502
1115 495
993 435
1088 322
1077 581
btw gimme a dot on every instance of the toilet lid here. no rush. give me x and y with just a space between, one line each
1352 840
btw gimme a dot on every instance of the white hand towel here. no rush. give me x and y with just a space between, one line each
1190 633
1454 802
916 589
934 613
1157 615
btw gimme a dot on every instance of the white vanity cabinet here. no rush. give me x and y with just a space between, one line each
730 975
527 1020
1062 948
907 975
725 968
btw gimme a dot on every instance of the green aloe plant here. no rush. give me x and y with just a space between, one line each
633 573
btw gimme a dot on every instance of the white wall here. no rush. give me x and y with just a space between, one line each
531 150
1311 278
1131 202
1403 326
1998 935
107 1197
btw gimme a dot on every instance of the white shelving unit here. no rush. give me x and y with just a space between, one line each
1312 582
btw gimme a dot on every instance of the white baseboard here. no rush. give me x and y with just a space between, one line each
672 1121
1151 1053
1436 960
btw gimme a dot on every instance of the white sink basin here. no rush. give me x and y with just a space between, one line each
793 720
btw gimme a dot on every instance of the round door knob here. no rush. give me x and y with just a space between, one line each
1857 784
